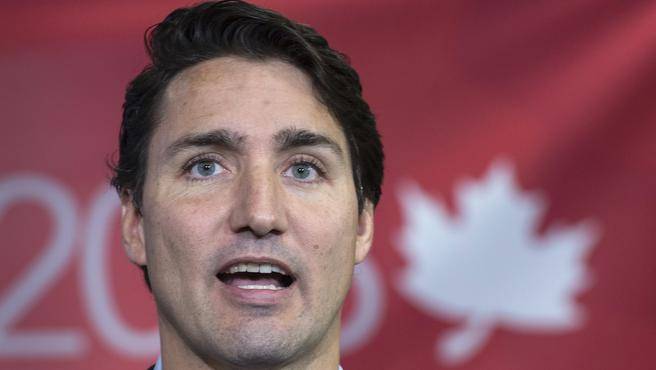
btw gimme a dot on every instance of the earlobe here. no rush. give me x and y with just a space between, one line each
132 231
365 232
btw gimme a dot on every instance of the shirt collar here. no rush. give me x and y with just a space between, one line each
158 364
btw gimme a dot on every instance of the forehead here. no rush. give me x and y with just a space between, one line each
256 98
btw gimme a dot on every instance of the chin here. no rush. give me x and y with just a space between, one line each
267 346
258 352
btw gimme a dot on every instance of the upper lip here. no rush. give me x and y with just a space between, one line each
259 260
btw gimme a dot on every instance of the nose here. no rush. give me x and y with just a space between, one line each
259 207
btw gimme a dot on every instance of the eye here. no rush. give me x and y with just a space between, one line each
205 168
303 171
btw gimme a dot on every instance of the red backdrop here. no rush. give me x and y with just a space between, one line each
517 225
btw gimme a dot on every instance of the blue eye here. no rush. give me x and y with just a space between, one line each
303 171
205 168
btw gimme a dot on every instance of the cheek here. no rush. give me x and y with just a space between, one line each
334 257
333 224
329 243
178 242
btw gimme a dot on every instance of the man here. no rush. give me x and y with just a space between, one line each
249 167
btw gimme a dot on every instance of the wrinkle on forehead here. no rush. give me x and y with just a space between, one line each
218 73
195 94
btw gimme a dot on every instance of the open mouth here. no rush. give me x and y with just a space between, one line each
256 276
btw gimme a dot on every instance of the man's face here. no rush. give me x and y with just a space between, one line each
247 170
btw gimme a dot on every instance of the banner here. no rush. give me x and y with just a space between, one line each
517 224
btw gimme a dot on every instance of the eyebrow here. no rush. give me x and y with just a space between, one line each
287 139
292 138
225 139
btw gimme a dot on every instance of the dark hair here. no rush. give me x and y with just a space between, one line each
189 36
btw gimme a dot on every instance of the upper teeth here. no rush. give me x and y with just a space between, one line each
264 268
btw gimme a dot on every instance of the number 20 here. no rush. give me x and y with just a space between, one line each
24 292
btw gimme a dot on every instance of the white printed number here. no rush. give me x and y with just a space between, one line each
25 291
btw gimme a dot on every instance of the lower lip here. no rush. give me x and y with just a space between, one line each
257 297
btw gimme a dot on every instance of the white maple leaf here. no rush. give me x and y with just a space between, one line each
487 266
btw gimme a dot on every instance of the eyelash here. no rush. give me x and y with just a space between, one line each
299 160
200 159
314 163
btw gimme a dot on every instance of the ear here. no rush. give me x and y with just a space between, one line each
365 232
132 231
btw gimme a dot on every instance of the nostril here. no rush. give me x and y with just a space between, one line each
258 232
